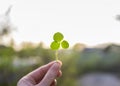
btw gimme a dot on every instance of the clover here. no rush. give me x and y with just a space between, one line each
58 42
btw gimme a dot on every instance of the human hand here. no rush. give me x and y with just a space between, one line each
43 76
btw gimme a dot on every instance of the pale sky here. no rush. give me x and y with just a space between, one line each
81 21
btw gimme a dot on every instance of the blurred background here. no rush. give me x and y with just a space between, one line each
91 27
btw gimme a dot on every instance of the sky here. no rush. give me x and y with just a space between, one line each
90 22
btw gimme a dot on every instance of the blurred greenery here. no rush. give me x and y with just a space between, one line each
13 62
76 61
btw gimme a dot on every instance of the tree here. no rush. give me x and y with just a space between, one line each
6 26
118 17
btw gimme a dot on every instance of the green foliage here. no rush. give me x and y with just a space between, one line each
11 72
58 41
14 64
6 51
64 44
58 37
69 70
55 45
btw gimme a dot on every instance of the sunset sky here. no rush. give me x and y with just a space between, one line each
81 21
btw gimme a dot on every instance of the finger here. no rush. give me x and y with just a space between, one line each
51 74
37 75
59 73
54 83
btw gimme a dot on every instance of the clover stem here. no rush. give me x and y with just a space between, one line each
56 55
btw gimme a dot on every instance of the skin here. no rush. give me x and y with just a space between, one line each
45 75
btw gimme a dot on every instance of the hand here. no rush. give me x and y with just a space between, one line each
43 76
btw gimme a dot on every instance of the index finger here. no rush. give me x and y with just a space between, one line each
37 75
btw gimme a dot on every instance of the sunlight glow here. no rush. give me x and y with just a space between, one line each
81 21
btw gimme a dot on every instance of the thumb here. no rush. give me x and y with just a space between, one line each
51 74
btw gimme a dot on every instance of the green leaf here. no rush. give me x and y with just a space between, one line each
64 44
58 37
55 45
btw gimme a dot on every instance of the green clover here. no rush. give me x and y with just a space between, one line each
58 42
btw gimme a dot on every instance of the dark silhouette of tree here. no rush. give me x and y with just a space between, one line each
117 17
